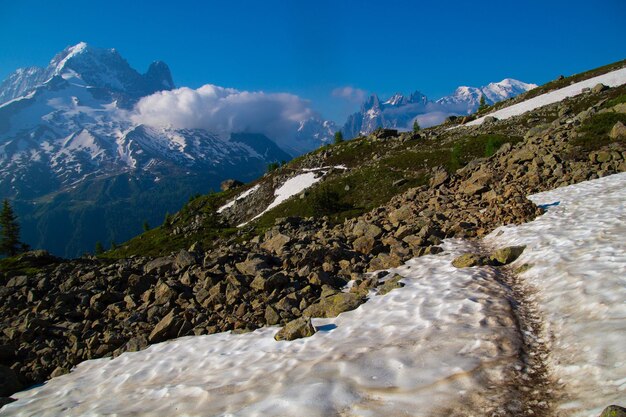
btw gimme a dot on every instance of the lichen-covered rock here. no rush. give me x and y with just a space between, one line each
506 255
468 260
334 305
390 284
296 329
614 411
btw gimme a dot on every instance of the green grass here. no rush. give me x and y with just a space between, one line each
594 132
161 241
20 265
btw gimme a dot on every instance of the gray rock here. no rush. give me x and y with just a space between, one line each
230 184
334 305
276 244
296 329
506 255
468 260
159 265
618 131
613 411
166 328
598 88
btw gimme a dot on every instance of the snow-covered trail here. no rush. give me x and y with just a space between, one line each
611 79
445 344
578 277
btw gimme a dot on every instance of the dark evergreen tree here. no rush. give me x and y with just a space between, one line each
146 226
416 126
338 137
482 105
99 248
10 244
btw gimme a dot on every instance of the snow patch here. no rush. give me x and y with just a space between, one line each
290 188
611 79
239 197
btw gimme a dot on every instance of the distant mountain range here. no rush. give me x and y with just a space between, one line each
400 111
90 149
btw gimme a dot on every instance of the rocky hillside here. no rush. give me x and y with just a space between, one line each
396 196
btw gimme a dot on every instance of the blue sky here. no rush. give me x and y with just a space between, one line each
311 48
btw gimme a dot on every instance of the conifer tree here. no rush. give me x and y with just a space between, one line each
99 248
10 231
416 126
482 104
338 137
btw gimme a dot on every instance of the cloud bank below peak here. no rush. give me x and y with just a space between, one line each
226 110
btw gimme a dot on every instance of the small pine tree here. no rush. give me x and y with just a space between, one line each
99 248
146 226
416 126
272 166
10 244
482 105
168 219
338 137
113 245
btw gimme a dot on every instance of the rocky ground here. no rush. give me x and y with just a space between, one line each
74 310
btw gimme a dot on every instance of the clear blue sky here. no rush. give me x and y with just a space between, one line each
310 48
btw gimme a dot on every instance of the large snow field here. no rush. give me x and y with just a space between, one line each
611 79
447 340
578 253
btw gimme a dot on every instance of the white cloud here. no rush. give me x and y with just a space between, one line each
355 95
225 110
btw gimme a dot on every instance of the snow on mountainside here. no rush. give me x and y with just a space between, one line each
399 111
73 122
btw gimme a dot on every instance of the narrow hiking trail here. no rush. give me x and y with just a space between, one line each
541 341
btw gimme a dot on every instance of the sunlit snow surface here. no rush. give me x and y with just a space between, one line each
611 79
447 339
578 253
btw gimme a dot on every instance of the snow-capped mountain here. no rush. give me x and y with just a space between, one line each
70 125
400 111
465 100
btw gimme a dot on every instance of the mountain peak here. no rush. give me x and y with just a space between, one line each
159 76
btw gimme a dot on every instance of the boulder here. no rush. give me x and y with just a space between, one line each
390 284
399 215
296 329
271 316
598 88
468 260
166 328
334 305
439 177
613 411
363 228
506 255
184 259
230 184
276 244
618 131
364 244
251 266
159 265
